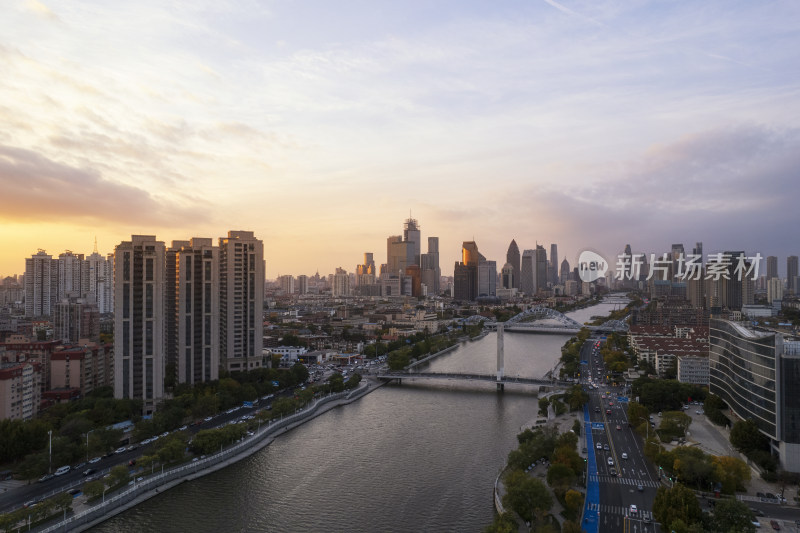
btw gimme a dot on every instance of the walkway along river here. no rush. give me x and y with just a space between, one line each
416 457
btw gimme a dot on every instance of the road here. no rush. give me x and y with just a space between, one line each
623 473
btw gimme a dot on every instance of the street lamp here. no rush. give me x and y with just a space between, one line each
87 444
50 434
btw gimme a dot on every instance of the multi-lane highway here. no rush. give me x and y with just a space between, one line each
627 483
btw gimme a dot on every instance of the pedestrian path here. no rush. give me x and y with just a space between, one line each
619 510
623 480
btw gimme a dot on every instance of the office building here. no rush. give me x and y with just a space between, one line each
465 273
553 265
564 275
397 252
756 374
139 344
241 302
193 310
507 276
286 283
429 263
412 235
513 259
302 284
540 270
527 280
41 284
791 274
487 278
772 267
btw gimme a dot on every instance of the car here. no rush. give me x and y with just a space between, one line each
770 496
605 447
165 434
182 428
619 427
62 470
94 460
29 503
79 466
74 492
596 409
610 461
646 519
207 419
640 487
698 412
46 477
132 447
122 449
774 525
633 509
88 472
608 411
599 446
610 404
612 472
624 455
757 512
756 523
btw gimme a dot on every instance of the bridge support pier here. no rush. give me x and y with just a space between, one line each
501 386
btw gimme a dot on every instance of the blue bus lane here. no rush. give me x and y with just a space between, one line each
591 511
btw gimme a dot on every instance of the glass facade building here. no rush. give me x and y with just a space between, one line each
757 375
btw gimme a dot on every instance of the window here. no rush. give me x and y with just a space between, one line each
148 269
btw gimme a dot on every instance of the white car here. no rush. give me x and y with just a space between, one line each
610 461
94 460
624 455
62 470
634 510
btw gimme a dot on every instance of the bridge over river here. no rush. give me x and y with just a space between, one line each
400 376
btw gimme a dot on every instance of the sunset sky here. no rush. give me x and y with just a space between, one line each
320 125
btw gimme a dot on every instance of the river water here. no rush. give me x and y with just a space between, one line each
417 457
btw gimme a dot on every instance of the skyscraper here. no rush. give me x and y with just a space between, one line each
513 259
791 274
241 302
431 273
412 235
396 254
139 350
192 322
70 275
465 273
487 278
553 264
41 284
100 289
564 271
341 283
527 280
772 267
540 269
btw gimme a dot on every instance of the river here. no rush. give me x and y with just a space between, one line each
417 457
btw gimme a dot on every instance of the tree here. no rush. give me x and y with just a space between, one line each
502 523
732 516
674 425
560 477
637 413
93 489
731 472
526 496
574 501
299 373
118 475
172 450
544 403
746 437
62 501
676 503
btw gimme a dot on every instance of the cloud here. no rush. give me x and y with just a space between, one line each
39 189
40 9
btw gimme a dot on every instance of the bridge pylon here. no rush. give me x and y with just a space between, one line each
500 357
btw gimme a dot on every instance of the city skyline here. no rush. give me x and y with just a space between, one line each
589 125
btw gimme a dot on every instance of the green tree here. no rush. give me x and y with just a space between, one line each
299 373
118 475
544 403
676 503
502 523
172 450
637 414
574 501
731 472
93 489
746 437
353 381
526 496
62 501
337 382
732 516
560 477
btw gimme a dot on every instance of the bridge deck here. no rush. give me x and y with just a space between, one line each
473 377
